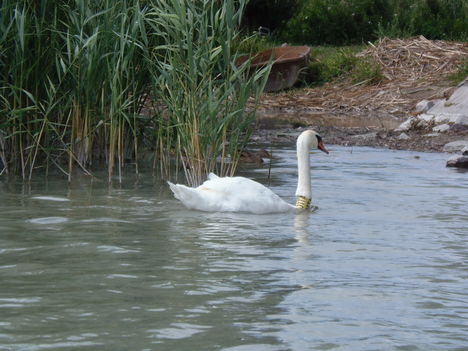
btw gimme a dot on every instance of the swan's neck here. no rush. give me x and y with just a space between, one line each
303 191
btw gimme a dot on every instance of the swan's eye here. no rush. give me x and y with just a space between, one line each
319 138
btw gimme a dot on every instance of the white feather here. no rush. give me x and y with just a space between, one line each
239 194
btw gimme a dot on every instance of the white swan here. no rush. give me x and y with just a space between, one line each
239 194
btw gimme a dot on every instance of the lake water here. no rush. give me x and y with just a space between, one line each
382 264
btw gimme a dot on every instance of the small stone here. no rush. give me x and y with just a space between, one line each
460 124
455 146
465 151
403 136
424 105
406 125
462 120
441 128
458 161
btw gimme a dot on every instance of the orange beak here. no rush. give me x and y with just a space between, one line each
322 147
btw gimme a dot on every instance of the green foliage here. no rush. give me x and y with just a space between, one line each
366 71
252 44
75 76
204 92
272 14
435 19
335 21
328 63
460 74
71 83
331 63
341 22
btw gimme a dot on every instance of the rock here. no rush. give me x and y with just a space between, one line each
463 120
424 105
451 111
461 123
441 128
403 136
455 146
406 125
458 161
424 117
455 106
465 151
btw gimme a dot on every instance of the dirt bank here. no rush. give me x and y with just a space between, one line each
349 113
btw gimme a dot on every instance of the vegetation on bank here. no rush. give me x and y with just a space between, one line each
82 83
461 73
339 29
85 83
344 22
330 63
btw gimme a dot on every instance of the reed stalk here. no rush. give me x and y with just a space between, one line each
197 80
74 77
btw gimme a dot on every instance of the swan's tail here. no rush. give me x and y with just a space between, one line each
188 196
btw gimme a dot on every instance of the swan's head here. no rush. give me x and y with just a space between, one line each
312 139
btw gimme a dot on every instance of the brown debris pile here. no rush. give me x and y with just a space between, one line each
414 69
416 58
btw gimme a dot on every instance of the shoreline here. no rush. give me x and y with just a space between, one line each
415 107
277 127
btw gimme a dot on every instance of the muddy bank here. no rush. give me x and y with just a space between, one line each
373 136
373 129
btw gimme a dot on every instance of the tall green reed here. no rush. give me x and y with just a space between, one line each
75 76
204 93
72 83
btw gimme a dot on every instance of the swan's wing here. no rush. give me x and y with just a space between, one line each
239 194
230 194
201 198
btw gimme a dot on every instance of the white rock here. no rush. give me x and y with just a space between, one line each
403 136
441 128
455 146
462 119
451 109
406 125
425 117
424 105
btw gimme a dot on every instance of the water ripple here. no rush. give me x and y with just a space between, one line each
51 198
48 220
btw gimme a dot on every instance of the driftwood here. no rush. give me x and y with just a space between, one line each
414 69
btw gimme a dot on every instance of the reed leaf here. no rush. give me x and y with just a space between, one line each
203 91
75 76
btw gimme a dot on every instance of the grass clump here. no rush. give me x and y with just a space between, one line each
338 22
204 92
71 83
460 74
328 64
75 77
253 43
366 71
